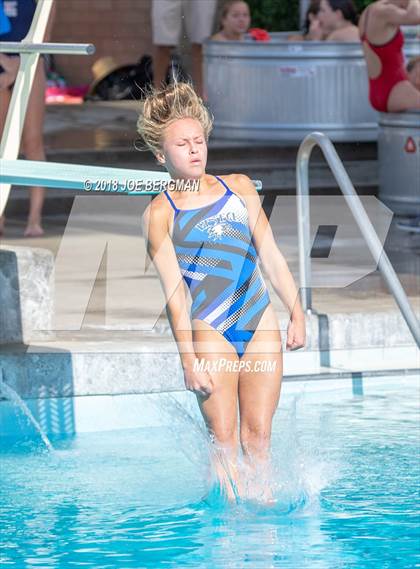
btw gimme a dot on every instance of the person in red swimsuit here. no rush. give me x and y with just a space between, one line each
389 87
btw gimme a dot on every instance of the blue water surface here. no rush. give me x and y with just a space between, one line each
345 475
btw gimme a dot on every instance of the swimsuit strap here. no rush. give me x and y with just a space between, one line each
171 201
228 190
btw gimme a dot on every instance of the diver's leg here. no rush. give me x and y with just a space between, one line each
259 393
220 408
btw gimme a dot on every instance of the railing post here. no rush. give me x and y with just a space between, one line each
304 225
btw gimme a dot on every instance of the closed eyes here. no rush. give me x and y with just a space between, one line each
198 141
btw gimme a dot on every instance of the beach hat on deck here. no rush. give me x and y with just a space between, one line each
103 68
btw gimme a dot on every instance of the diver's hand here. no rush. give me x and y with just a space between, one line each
198 381
296 333
11 68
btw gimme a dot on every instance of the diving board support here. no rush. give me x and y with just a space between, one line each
361 218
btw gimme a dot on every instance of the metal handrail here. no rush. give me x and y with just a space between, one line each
42 48
361 218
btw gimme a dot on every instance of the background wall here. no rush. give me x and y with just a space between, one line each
122 28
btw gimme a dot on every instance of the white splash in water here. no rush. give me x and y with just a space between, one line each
12 396
292 479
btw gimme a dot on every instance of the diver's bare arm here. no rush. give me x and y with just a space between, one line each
162 253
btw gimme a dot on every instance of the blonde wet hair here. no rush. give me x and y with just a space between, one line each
161 107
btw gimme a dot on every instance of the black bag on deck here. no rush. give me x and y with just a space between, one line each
129 82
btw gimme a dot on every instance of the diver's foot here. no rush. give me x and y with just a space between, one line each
265 498
260 491
222 492
33 230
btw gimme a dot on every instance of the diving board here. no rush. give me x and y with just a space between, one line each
81 176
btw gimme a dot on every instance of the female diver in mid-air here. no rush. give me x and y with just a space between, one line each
211 240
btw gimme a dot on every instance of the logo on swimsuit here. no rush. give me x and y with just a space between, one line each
217 226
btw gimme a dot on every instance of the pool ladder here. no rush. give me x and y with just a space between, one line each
362 219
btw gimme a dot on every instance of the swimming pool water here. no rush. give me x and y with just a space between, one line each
345 475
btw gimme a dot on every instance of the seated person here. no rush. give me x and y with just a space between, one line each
390 89
235 20
312 28
413 71
338 19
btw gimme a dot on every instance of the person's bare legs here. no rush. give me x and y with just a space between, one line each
5 96
33 147
259 393
197 67
220 408
161 60
404 96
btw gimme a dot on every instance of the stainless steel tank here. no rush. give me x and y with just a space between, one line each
281 91
399 162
